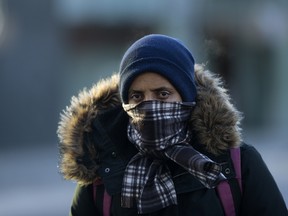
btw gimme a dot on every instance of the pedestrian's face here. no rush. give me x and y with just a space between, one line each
152 86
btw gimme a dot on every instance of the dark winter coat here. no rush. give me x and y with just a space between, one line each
94 144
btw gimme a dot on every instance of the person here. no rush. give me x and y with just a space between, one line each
156 137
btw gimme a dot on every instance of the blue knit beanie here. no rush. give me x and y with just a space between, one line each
163 55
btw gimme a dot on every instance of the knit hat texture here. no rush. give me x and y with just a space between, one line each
163 55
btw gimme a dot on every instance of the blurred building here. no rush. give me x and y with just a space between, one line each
50 50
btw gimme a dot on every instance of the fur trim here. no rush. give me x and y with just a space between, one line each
215 123
78 156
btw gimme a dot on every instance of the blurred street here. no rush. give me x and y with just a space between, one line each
31 185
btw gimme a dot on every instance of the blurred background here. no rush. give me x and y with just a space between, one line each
50 50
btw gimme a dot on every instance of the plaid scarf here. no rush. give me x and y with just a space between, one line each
160 132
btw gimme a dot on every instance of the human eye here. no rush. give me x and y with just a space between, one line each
135 97
164 94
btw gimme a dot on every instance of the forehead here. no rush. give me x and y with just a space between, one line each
150 80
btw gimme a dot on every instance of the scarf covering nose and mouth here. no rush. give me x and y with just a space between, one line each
160 132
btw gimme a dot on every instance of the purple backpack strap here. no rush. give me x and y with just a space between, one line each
236 158
105 197
224 190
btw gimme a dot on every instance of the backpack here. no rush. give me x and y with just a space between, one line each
229 191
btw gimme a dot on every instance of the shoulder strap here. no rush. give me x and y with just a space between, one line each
101 198
235 154
224 188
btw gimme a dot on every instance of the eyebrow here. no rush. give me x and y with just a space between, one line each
162 89
153 90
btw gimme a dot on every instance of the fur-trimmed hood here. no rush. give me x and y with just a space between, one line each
215 122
